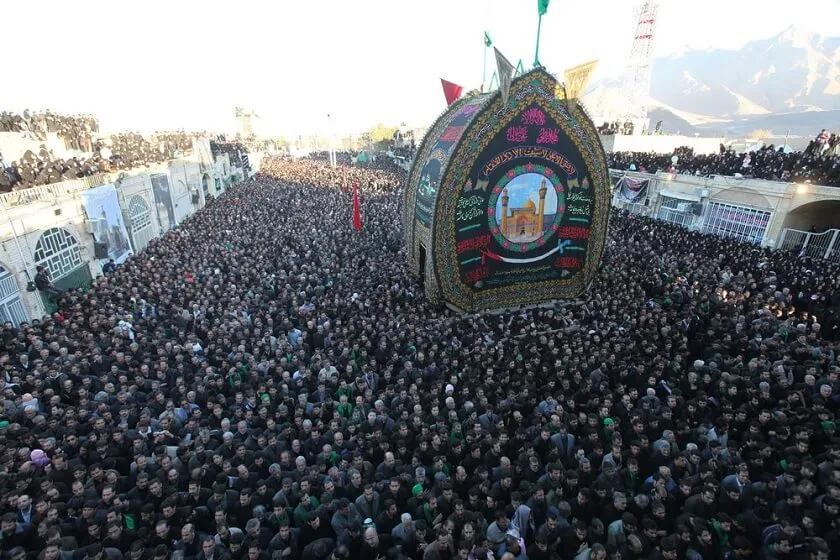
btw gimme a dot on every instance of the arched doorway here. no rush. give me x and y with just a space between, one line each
141 222
813 229
819 215
58 251
11 306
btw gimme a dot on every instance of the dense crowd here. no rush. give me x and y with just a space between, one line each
237 151
76 130
824 142
118 151
616 127
266 382
819 164
341 158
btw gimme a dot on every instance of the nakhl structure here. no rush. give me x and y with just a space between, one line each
507 204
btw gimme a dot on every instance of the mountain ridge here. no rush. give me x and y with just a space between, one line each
792 72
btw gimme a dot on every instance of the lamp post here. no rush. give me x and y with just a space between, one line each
330 132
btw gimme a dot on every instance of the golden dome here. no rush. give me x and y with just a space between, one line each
530 205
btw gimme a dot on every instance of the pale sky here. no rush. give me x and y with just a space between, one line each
186 63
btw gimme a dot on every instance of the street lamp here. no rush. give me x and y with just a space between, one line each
332 150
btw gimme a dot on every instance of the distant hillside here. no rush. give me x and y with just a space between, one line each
788 82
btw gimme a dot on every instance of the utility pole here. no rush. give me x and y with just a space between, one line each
332 148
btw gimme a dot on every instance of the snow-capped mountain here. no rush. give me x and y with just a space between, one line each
717 90
792 72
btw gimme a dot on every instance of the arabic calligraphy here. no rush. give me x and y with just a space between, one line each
548 136
573 232
468 214
517 134
469 208
469 202
532 152
474 243
480 273
567 262
579 197
496 280
520 272
578 210
533 116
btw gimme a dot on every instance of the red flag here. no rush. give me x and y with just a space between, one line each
357 209
451 91
344 179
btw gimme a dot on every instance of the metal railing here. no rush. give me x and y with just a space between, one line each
676 217
49 193
633 208
824 245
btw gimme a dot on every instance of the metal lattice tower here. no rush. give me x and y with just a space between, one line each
637 81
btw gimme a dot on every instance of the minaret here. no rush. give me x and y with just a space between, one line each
541 207
505 199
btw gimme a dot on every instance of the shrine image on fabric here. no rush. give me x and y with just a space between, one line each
526 209
514 204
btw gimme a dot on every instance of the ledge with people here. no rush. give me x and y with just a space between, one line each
818 164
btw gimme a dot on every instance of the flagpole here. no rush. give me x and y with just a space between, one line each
537 52
484 72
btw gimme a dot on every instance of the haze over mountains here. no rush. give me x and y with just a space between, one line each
789 82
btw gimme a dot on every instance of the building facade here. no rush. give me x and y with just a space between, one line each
56 226
750 210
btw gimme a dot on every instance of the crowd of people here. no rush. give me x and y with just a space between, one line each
237 151
264 382
824 142
819 164
76 130
117 151
616 127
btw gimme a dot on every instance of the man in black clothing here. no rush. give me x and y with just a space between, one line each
315 528
375 545
44 283
14 534
389 518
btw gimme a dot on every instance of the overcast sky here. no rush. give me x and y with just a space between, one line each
183 63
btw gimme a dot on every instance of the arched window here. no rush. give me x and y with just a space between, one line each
11 306
138 211
58 251
141 222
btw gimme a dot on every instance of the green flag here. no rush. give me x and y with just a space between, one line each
542 6
487 41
